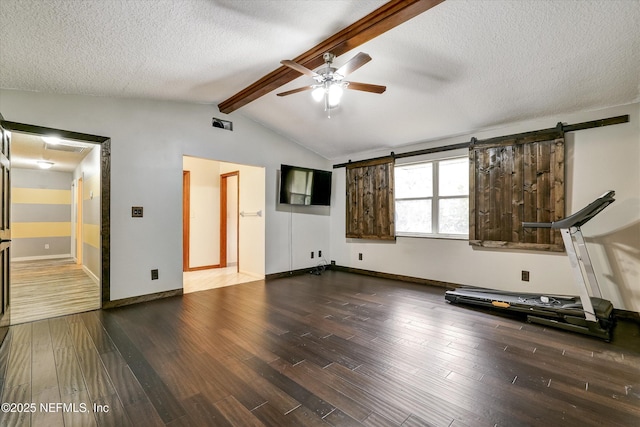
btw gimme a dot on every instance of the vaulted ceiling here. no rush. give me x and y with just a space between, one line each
462 66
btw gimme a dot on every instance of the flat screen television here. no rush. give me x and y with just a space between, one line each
304 186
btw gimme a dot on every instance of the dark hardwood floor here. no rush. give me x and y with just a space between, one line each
337 349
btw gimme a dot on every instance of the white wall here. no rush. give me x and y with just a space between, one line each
204 211
149 139
251 229
598 160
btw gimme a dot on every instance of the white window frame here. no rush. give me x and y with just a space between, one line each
435 200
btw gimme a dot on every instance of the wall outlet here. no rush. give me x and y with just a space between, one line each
333 262
136 211
525 276
46 246
319 254
154 274
360 257
311 254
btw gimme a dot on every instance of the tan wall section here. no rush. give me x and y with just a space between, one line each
91 235
40 196
40 229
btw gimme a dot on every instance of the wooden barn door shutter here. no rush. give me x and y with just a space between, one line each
514 179
370 201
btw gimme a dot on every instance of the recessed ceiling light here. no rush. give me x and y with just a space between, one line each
43 164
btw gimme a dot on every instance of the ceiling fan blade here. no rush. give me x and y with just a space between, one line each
366 87
299 68
292 91
353 64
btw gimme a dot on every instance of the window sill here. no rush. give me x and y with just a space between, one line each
435 236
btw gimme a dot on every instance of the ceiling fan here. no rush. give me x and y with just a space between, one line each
330 81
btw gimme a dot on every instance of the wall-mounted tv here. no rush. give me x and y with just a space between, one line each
304 186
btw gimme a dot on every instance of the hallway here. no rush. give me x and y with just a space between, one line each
50 288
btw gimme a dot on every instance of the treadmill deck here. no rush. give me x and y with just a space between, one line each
557 305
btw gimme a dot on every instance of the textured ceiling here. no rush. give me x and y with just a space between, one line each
460 67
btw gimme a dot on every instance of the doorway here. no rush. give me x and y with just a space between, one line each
100 226
229 191
223 248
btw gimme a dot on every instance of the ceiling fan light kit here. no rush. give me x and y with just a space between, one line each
330 83
334 94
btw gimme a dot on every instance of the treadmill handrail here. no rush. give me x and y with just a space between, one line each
537 224
579 218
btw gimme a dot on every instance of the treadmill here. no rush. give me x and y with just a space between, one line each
590 315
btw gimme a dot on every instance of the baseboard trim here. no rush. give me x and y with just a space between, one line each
280 275
141 298
399 277
363 272
90 273
41 257
202 267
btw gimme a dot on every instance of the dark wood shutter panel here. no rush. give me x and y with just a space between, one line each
516 179
370 201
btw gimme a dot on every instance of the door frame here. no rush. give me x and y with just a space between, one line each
79 219
186 218
105 190
5 231
223 218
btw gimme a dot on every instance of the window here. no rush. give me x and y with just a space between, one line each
432 198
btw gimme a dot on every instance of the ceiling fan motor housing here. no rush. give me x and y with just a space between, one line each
328 57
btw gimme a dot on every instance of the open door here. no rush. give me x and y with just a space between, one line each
5 230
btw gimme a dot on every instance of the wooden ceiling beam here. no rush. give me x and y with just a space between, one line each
386 17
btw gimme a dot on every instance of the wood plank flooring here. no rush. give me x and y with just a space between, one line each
332 350
49 288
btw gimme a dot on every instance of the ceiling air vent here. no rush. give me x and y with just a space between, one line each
222 124
67 148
